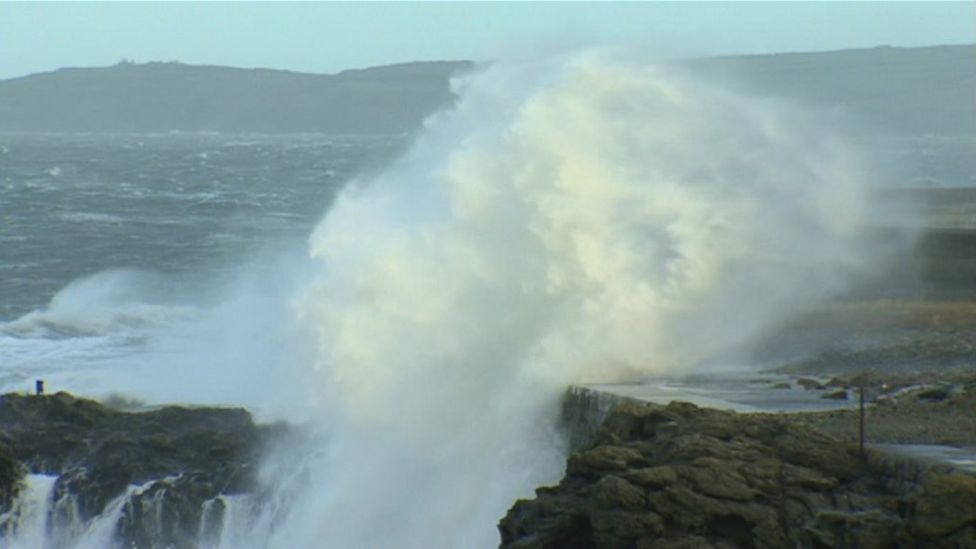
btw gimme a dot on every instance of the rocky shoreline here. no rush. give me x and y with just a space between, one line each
679 476
643 475
682 476
183 460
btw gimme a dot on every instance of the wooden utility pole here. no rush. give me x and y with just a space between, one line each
861 418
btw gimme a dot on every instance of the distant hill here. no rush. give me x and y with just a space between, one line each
159 97
913 91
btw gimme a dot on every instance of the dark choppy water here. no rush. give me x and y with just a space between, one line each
105 238
187 205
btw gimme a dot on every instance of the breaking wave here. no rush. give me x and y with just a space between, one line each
586 218
583 219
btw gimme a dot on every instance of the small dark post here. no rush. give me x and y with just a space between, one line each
861 391
39 386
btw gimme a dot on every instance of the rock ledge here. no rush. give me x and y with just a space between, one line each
682 476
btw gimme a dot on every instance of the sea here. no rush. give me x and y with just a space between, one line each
110 244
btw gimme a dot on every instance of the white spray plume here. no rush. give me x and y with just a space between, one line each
584 219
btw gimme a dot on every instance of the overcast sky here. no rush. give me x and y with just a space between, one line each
332 36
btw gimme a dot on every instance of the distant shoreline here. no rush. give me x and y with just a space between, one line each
881 90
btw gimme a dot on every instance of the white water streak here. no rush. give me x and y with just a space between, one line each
25 525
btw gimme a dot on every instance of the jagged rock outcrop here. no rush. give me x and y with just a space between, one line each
10 473
681 476
180 458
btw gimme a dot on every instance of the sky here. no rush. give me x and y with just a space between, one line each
332 36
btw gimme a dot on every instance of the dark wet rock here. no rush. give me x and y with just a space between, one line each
680 476
946 506
180 457
11 472
809 384
836 394
603 459
837 383
934 394
612 491
864 529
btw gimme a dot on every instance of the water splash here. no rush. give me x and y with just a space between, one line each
27 520
37 520
578 219
583 219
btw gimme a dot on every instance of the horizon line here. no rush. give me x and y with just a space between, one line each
126 61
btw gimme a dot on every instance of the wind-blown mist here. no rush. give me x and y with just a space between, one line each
584 219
